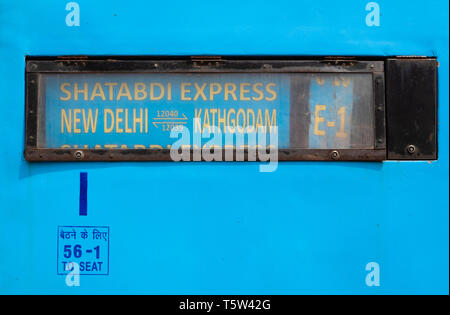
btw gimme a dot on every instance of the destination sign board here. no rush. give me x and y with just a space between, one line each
135 111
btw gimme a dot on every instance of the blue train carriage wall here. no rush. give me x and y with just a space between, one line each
316 135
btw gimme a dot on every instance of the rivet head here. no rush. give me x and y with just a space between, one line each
411 149
79 155
335 155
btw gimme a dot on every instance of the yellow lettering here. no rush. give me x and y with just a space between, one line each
127 130
197 120
214 91
108 112
273 92
124 91
341 133
111 86
252 112
152 91
221 120
90 121
336 82
318 120
169 91
98 92
184 90
239 128
232 120
69 95
66 122
119 120
213 114
243 91
206 122
200 91
146 120
230 89
271 122
258 91
140 92
77 91
76 120
259 122
139 120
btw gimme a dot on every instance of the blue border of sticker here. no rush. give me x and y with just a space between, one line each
81 226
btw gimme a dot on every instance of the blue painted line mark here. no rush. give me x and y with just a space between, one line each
83 194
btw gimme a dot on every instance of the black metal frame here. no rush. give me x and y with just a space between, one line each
35 66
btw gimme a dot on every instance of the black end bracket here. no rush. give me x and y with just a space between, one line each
411 108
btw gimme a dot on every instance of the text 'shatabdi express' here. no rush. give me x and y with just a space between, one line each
133 118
